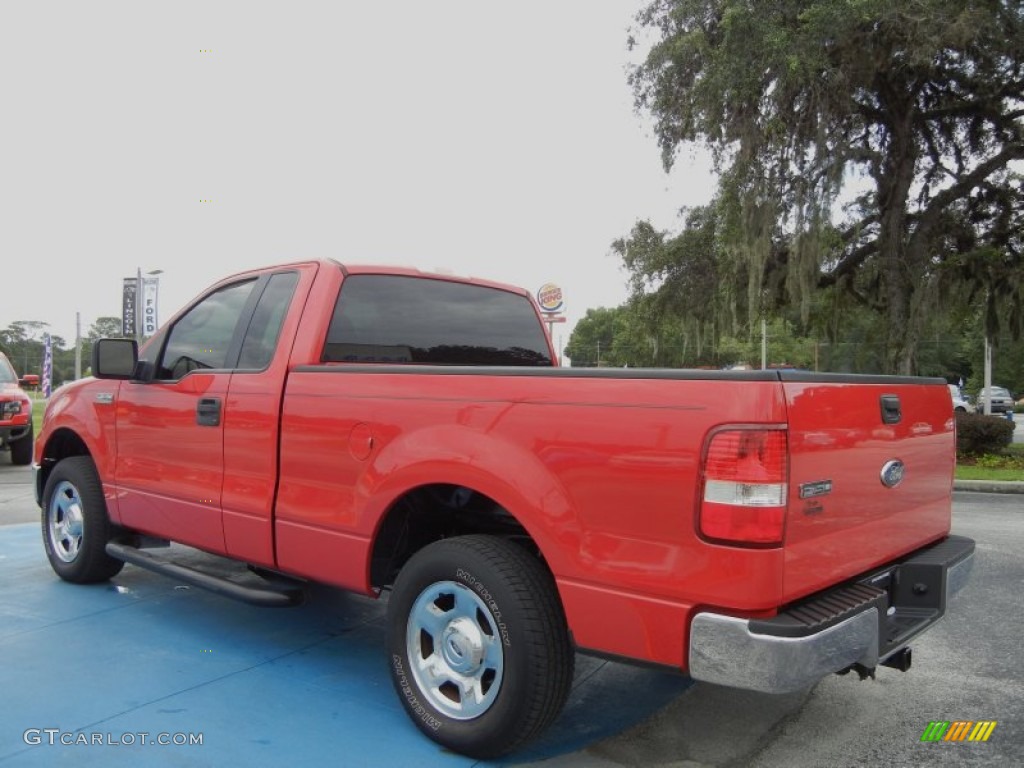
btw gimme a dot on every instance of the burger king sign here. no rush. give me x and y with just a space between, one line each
549 298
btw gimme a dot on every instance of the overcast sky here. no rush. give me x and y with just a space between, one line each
496 140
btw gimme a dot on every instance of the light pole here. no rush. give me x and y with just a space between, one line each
140 301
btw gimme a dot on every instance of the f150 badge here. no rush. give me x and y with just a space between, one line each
817 488
892 473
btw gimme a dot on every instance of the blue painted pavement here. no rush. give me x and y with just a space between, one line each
263 687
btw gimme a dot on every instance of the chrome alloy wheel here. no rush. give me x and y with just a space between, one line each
64 521
455 650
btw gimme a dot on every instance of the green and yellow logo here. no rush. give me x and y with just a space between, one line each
958 730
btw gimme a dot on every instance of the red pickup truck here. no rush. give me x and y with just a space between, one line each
387 430
15 415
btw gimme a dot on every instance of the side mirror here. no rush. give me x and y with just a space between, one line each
114 358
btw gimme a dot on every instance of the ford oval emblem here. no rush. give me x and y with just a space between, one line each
892 473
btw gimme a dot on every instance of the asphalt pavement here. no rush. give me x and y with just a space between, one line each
966 668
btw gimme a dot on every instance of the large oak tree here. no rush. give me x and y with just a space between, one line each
909 112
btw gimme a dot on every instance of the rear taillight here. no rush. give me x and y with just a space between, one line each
744 492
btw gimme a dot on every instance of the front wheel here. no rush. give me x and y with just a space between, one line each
479 649
76 527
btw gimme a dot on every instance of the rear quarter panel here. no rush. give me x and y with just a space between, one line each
603 472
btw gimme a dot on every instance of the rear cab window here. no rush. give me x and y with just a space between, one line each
400 319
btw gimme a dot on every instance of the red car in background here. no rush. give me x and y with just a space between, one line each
15 415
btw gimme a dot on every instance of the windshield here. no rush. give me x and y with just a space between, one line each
7 375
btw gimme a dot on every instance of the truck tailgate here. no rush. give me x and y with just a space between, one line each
871 467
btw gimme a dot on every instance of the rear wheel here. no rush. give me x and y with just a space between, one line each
479 649
75 524
21 450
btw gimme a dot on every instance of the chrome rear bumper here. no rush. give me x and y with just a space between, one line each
877 617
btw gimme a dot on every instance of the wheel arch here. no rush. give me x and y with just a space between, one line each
480 483
431 512
60 444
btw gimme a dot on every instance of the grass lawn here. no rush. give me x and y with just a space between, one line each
982 473
1008 465
38 406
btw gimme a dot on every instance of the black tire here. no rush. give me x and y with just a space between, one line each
487 597
21 450
76 527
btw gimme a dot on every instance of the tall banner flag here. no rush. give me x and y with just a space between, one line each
150 289
47 365
128 298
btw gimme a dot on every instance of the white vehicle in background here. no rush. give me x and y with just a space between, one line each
961 402
1002 401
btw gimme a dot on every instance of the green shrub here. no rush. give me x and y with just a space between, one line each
977 434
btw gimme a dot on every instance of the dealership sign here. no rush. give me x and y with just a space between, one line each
150 289
129 310
139 308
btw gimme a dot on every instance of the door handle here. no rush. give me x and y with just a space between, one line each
208 412
891 412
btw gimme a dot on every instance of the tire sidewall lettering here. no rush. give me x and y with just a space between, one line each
484 594
405 685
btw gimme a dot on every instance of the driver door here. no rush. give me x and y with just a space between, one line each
170 434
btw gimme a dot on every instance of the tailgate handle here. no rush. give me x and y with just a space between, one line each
891 409
208 412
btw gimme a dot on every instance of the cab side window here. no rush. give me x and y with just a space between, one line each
202 338
265 326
